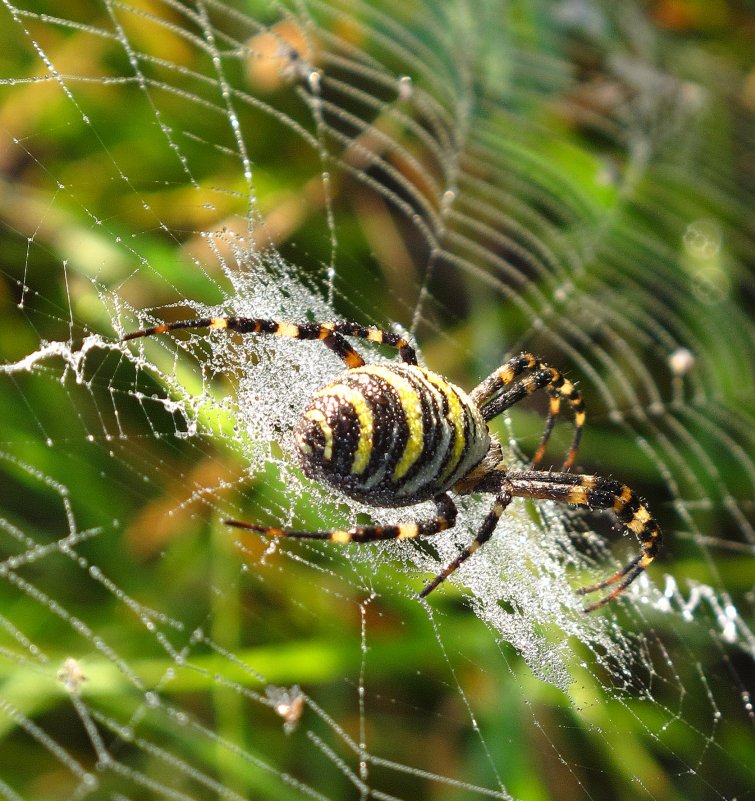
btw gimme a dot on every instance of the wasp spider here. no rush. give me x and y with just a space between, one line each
395 435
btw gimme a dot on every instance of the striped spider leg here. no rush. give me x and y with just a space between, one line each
596 492
488 395
330 334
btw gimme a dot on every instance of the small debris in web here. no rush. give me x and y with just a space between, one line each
71 675
288 703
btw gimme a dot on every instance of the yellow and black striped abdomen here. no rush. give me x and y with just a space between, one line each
391 435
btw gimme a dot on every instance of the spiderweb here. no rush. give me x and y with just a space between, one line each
573 178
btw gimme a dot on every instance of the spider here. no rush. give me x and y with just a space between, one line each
394 435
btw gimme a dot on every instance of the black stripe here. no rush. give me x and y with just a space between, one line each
375 533
439 405
599 498
449 427
651 538
246 326
431 428
390 429
344 424
309 331
605 492
352 329
467 434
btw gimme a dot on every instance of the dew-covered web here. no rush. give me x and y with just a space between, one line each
573 178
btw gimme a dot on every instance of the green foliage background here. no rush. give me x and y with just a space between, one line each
64 245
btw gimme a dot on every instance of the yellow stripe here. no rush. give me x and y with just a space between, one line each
218 322
364 415
622 499
456 416
637 523
287 330
327 431
577 495
408 531
353 359
412 408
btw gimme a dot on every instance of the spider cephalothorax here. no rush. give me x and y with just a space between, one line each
397 434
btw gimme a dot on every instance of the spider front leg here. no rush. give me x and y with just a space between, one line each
491 399
503 499
330 334
445 518
596 492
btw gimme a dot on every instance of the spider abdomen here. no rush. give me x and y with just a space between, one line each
391 435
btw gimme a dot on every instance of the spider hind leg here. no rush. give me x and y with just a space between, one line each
503 499
445 518
596 492
631 571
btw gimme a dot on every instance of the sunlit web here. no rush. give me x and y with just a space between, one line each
486 177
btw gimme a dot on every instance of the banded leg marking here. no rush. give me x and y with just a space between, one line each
503 499
487 397
331 334
406 352
445 518
596 492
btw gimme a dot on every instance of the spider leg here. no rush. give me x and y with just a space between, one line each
554 408
445 518
406 352
596 492
631 571
492 401
503 499
330 334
